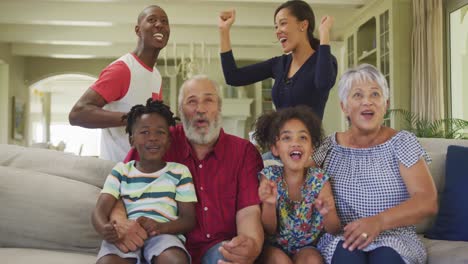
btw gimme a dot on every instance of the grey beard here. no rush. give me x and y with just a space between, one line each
202 138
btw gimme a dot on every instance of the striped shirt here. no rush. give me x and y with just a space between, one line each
154 195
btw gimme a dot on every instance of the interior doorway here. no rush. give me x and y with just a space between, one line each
51 100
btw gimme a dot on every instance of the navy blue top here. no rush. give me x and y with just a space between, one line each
309 86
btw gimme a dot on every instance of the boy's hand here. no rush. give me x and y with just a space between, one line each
151 226
109 232
268 191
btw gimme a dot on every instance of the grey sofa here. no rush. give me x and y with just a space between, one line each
48 196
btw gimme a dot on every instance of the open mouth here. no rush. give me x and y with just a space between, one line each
367 114
153 148
282 40
296 155
201 122
158 36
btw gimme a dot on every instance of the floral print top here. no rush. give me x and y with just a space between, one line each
299 223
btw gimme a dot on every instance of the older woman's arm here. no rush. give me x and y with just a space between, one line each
422 203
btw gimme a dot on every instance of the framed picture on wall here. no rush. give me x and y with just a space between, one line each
18 118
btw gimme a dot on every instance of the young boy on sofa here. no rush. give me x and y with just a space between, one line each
159 195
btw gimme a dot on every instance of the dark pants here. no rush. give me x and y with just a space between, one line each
381 255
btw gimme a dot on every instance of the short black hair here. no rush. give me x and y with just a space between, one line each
268 125
151 106
144 12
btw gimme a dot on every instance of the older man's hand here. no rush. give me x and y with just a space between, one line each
241 249
131 234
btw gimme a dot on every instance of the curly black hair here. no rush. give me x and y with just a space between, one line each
268 125
151 106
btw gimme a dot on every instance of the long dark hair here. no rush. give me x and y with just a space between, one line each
302 11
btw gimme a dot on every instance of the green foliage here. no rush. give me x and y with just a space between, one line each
421 127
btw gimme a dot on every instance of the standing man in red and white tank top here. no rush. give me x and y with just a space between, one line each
129 80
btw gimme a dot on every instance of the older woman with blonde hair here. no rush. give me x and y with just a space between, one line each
379 177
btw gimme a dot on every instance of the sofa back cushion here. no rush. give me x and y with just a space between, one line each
437 150
85 169
40 210
453 211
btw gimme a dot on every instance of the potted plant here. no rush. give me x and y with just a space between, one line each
441 128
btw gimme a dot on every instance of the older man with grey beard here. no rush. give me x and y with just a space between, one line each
224 169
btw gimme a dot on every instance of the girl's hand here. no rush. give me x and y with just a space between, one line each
109 232
268 191
326 24
360 233
324 206
226 19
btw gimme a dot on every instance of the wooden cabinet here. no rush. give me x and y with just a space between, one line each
381 36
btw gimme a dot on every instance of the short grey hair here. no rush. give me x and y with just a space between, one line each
199 77
361 73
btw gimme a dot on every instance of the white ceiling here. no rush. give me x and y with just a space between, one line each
105 28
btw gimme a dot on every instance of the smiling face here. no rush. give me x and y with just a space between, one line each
200 111
293 145
365 105
289 31
150 137
153 27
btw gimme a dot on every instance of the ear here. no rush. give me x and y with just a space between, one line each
137 30
343 108
387 106
305 25
274 150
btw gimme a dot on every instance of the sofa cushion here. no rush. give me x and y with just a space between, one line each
46 211
85 169
450 223
38 256
446 252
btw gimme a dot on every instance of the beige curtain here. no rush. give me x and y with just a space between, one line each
427 89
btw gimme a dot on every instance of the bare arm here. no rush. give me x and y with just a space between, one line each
131 234
267 191
247 245
324 30
100 217
422 203
183 224
88 112
326 206
226 19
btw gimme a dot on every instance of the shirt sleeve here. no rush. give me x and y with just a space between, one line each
185 191
246 75
113 181
320 154
326 69
408 150
113 82
248 182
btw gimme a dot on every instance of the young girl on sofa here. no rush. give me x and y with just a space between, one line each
297 201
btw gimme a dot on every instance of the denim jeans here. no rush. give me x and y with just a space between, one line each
213 255
381 255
